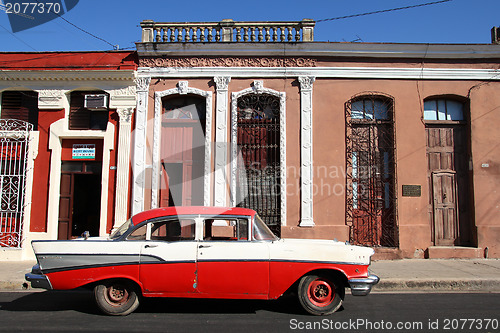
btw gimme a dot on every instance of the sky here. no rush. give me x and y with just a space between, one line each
115 23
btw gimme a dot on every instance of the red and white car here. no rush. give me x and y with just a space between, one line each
202 252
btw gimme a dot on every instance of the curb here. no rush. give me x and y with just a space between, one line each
449 285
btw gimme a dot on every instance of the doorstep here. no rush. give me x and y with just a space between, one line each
454 252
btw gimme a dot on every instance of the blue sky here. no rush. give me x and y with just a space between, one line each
117 21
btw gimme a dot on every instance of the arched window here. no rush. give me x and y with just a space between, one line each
443 109
370 165
371 109
258 138
184 107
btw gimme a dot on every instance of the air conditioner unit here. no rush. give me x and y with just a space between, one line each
96 102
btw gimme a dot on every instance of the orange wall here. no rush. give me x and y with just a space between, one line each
329 98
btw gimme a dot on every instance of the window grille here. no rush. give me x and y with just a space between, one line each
371 166
259 142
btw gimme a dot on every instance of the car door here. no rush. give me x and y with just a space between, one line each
168 257
230 264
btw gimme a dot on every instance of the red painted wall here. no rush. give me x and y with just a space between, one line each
113 157
39 201
50 61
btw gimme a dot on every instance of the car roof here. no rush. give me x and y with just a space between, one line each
190 210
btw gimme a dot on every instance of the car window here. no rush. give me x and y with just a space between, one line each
122 229
225 229
138 234
261 230
173 230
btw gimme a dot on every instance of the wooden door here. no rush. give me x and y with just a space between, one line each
448 184
182 154
444 196
66 206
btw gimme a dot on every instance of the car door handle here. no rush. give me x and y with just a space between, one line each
202 246
150 246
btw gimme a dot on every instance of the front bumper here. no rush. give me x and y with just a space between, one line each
362 287
37 279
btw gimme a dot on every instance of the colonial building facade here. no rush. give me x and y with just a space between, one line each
388 145
65 140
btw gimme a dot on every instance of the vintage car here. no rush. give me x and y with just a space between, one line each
202 252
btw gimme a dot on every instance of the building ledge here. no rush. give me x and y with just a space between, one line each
323 49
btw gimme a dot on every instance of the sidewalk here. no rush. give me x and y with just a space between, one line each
441 275
437 275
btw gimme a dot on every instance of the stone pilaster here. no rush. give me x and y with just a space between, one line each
139 159
122 168
306 151
221 143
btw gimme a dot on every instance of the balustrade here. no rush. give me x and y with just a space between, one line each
227 31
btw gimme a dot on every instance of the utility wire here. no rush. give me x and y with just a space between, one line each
19 39
83 30
88 33
383 11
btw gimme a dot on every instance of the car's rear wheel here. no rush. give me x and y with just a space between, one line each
116 298
319 294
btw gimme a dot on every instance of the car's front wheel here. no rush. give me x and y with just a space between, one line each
116 298
319 295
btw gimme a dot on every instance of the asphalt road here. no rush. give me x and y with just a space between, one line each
57 311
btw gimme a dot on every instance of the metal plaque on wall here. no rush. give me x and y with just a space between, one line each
412 190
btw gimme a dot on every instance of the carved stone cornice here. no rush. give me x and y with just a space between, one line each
50 98
122 97
222 82
125 91
227 62
258 86
142 83
183 87
125 114
306 82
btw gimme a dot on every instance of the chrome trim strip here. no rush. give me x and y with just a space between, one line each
319 262
363 286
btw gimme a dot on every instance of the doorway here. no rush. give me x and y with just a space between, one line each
448 154
370 170
80 199
449 184
182 151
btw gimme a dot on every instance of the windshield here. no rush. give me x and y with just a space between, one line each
122 229
261 231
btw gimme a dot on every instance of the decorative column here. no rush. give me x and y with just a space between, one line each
306 151
139 159
122 169
221 143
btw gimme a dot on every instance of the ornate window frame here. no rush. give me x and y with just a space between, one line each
258 88
182 89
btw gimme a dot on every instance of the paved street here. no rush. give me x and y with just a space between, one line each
405 312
